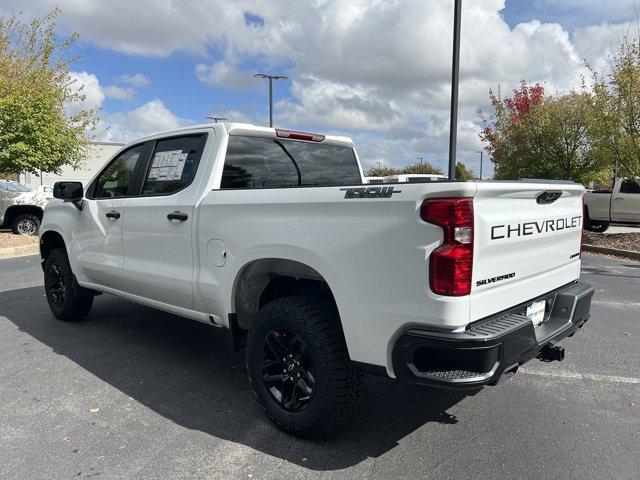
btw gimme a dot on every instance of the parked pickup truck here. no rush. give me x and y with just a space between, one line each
273 235
620 205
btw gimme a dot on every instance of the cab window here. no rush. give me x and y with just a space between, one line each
118 178
173 164
255 162
629 186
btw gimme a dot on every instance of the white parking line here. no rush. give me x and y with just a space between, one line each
583 376
615 304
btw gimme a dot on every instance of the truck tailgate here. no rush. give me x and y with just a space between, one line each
526 242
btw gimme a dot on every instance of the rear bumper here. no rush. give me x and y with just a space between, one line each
490 347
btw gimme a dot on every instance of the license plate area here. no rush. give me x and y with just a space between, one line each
536 312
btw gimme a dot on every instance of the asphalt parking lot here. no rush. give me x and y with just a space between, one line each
136 393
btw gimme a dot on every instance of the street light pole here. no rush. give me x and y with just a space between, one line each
271 78
455 79
420 158
480 152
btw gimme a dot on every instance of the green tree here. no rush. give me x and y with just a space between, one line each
8 176
382 171
412 168
36 133
421 168
513 137
571 154
462 173
531 135
615 123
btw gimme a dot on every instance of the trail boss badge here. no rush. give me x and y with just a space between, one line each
369 192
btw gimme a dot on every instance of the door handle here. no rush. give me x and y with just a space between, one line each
619 199
113 214
177 216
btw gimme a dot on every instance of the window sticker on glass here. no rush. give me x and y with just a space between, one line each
167 166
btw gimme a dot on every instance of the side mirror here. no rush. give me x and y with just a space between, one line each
68 191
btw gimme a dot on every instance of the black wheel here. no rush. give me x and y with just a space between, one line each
67 300
298 365
597 227
26 224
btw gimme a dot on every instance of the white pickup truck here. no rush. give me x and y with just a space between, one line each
273 235
620 205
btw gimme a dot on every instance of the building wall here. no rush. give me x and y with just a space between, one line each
99 154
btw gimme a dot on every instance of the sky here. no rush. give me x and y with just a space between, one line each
375 70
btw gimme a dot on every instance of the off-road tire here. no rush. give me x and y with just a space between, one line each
76 302
337 384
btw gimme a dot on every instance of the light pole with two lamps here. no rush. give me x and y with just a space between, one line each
271 79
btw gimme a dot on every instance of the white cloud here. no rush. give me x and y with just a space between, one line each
596 42
145 27
119 93
238 116
376 69
87 85
136 80
226 75
151 117
593 11
338 106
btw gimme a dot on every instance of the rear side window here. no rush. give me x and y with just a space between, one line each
629 186
173 164
254 162
117 179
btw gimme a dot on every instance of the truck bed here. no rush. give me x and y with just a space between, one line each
374 252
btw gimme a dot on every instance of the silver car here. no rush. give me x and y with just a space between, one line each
20 208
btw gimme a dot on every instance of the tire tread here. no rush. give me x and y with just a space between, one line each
319 318
76 306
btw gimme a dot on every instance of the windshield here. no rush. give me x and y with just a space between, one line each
20 187
13 186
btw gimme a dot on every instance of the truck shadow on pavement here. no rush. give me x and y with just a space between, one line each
190 374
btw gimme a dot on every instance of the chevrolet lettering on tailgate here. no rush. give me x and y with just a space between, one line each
537 227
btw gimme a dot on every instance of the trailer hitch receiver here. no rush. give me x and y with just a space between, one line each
551 352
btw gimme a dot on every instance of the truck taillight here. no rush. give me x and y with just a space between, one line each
450 265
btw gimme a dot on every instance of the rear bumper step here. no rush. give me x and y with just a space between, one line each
492 346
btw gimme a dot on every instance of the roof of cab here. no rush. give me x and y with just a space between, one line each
247 129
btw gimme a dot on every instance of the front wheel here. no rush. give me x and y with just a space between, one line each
299 367
67 300
596 227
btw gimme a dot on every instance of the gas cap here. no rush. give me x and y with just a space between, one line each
217 252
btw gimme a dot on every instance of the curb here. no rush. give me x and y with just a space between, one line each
612 251
20 251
